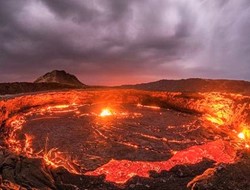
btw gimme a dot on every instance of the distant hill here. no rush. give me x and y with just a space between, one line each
57 80
54 80
23 87
60 77
195 85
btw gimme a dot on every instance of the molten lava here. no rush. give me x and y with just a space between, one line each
241 135
55 159
150 107
52 157
245 134
220 110
106 112
120 171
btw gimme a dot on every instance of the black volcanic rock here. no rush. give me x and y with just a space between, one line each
60 77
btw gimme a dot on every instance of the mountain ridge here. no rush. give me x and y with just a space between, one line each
194 85
60 79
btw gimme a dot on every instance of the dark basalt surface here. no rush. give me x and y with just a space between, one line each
132 134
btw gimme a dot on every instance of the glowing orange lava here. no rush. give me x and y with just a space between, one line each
215 108
52 157
60 106
225 114
150 107
120 171
55 159
245 134
215 120
241 135
106 112
219 109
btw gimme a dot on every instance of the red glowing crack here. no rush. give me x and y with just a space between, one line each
120 171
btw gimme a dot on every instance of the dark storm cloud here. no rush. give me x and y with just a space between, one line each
113 41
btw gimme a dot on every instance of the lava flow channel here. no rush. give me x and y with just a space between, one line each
120 171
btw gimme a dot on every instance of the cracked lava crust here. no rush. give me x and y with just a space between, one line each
125 133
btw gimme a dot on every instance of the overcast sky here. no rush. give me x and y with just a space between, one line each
125 41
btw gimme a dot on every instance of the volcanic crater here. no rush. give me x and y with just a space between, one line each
121 134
